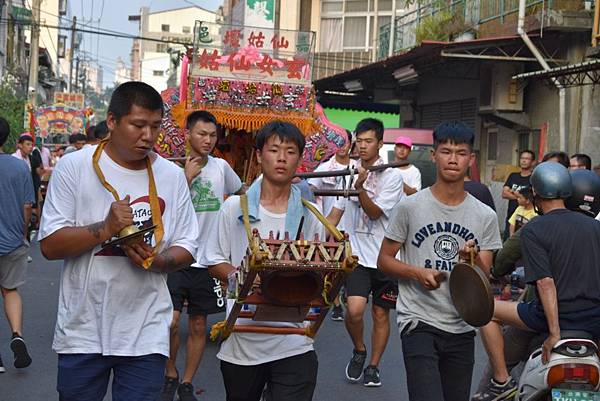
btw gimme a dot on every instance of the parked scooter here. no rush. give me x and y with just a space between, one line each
571 374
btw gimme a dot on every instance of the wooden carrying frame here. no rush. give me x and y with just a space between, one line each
293 277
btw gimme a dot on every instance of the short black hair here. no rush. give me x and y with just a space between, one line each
525 192
349 135
286 132
4 131
80 137
531 152
24 138
583 159
199 115
562 157
101 130
133 93
455 132
370 124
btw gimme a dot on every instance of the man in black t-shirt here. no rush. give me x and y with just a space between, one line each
480 191
515 182
561 251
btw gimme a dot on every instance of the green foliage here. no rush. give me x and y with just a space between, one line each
444 25
12 108
434 27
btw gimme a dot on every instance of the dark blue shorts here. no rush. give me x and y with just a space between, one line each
532 314
85 377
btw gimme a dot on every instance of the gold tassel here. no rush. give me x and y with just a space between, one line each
217 330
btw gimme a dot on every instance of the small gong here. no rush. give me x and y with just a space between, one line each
471 294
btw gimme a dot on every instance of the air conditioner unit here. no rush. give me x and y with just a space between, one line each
498 91
353 86
406 75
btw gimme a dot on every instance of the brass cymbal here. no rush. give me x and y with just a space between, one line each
471 294
135 237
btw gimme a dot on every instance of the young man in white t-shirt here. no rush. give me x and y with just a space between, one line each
285 363
114 307
341 160
365 219
210 179
411 175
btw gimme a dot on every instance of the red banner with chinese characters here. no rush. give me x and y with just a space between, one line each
74 100
248 76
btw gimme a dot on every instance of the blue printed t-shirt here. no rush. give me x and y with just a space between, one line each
16 189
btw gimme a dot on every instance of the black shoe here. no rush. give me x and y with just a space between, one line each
371 377
186 392
2 369
337 313
18 347
496 392
169 388
354 369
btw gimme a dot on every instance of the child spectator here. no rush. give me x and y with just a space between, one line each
524 211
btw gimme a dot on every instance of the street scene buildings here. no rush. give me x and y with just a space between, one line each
361 89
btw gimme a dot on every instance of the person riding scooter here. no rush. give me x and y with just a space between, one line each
566 279
585 198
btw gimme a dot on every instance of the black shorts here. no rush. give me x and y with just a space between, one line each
365 280
532 314
202 292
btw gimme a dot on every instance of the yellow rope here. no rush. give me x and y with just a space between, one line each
330 227
326 287
217 330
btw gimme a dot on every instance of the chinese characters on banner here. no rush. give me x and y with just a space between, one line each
74 100
323 143
251 67
250 53
171 140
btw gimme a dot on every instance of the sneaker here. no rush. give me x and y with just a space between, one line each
18 347
497 392
354 369
185 392
169 388
371 377
29 259
2 369
337 313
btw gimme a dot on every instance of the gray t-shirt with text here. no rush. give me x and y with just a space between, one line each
432 233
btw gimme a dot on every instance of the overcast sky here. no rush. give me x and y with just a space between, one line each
113 15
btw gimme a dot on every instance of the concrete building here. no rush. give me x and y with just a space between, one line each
122 73
156 63
437 73
94 77
14 63
50 17
346 30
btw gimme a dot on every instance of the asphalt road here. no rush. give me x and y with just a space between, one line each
38 382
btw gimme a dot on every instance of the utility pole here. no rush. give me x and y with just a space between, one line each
10 35
72 52
34 54
83 80
77 74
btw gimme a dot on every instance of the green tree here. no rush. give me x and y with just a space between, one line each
12 108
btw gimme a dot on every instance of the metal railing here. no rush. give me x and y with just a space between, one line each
447 19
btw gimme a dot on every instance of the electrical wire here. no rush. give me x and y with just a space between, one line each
114 35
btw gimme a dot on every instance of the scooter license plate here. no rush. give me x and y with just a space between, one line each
574 395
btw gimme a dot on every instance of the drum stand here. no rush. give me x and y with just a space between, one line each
288 281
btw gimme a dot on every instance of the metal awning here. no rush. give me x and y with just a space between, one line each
585 73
